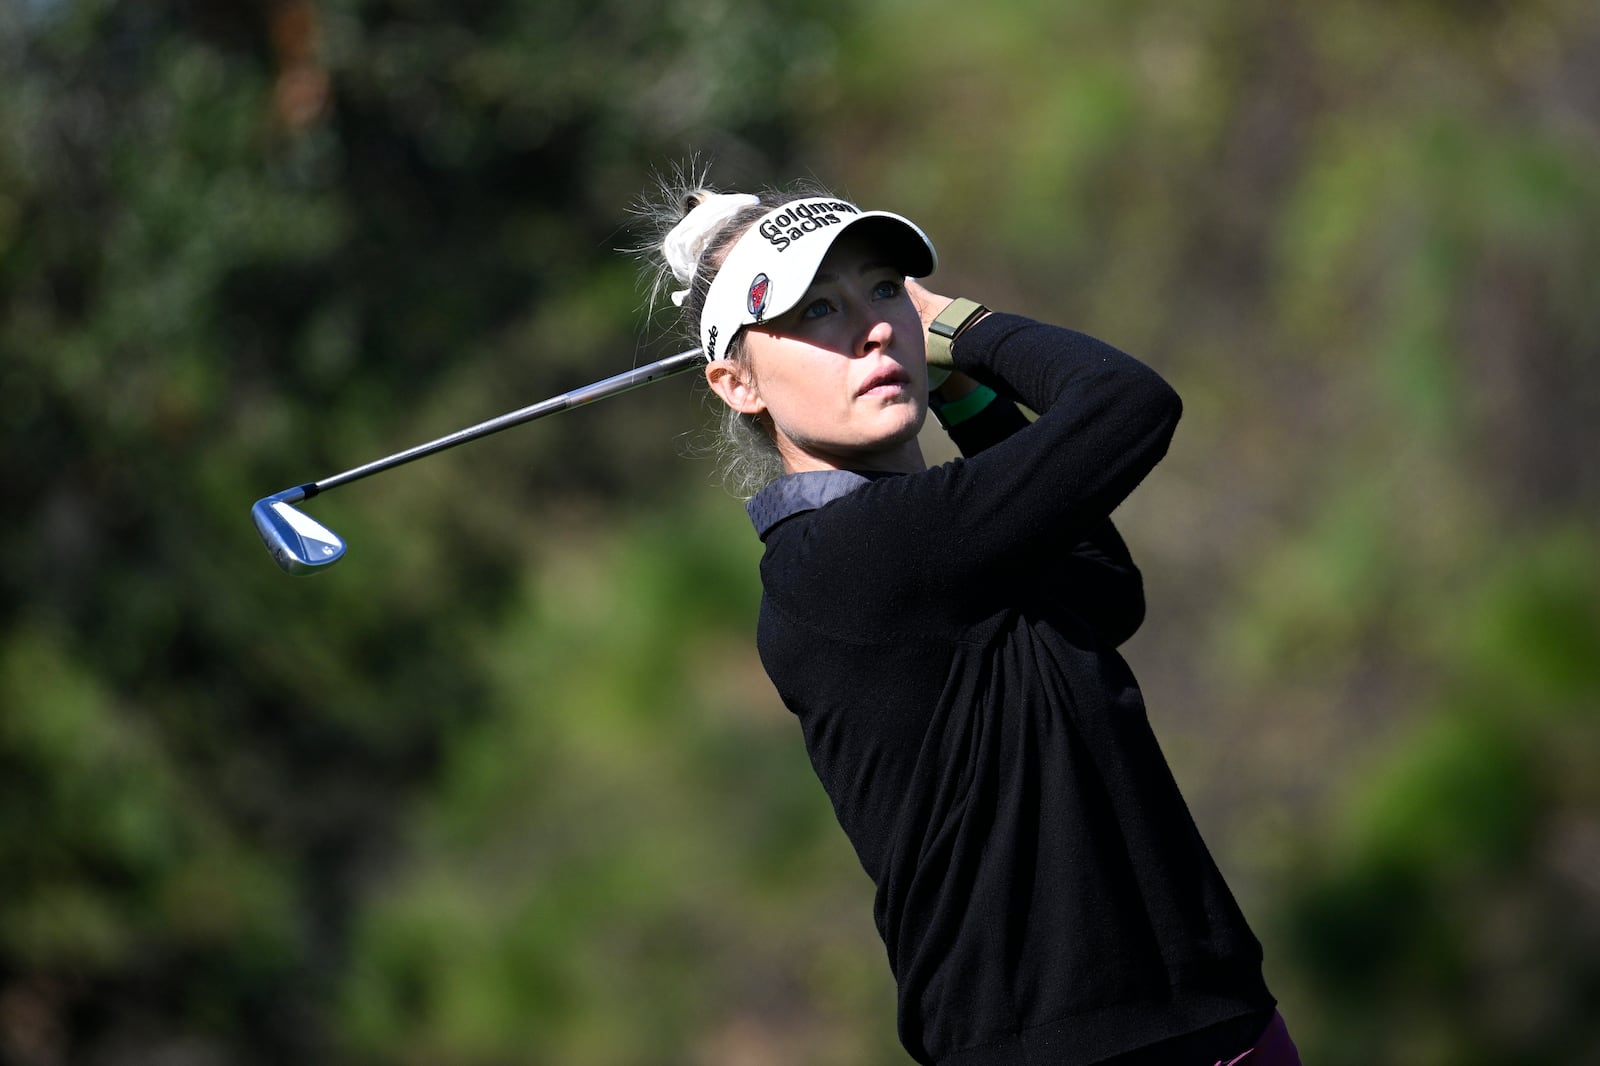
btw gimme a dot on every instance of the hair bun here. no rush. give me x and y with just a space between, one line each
707 213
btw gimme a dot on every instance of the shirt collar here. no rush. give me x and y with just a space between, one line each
804 491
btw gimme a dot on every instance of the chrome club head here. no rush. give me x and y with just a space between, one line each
299 543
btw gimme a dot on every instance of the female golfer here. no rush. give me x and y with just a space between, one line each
947 639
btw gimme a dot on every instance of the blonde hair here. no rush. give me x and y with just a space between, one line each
746 455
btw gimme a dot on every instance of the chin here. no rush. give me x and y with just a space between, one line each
893 436
911 425
872 446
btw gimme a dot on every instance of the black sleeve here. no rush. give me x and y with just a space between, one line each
1103 584
1098 573
1105 420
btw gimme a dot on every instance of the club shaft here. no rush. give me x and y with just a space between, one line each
628 379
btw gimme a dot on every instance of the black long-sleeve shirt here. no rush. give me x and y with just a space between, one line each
947 641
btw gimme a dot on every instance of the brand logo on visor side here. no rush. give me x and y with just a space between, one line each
760 289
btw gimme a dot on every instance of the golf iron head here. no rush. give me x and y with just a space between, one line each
299 543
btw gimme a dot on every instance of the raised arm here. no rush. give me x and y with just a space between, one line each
1097 573
986 533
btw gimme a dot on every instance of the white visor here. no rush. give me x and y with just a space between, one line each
772 265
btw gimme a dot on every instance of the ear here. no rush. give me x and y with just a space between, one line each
735 387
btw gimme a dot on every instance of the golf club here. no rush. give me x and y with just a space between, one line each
302 545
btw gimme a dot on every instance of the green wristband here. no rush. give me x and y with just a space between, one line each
958 411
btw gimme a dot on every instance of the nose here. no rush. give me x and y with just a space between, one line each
876 336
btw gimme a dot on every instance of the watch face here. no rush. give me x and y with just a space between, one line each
950 321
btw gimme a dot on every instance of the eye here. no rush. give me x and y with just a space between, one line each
887 289
816 309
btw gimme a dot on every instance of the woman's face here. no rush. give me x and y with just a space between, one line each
842 376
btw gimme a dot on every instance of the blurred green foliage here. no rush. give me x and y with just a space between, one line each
1457 882
509 784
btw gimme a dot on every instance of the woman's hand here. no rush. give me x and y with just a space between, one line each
954 384
928 304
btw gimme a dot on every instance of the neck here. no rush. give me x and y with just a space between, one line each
903 458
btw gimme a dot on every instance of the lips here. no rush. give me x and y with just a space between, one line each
884 378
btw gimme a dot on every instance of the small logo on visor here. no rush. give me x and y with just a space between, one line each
760 288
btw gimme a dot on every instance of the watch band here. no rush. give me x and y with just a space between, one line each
945 328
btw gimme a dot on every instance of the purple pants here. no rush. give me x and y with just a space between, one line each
1273 1049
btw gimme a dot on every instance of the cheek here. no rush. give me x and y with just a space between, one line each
808 403
909 332
792 376
802 396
